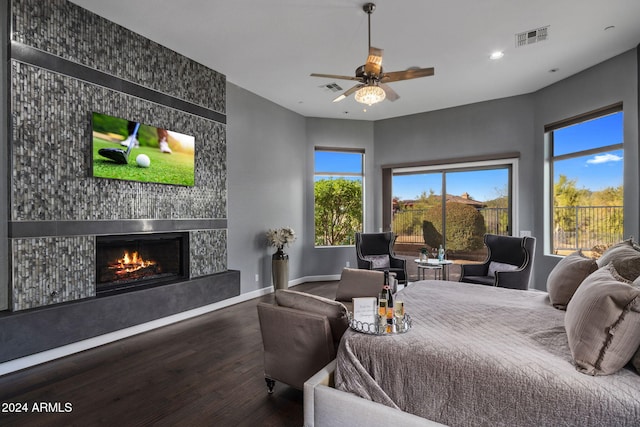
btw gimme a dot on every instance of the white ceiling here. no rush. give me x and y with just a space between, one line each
270 47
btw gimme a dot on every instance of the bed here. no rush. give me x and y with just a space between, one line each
478 355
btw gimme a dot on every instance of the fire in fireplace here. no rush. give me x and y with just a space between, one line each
127 262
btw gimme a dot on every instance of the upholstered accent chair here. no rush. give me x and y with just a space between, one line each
508 264
355 283
375 252
300 335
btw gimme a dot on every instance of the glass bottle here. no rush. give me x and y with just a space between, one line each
386 290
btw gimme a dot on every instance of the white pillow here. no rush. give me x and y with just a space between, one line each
500 266
378 261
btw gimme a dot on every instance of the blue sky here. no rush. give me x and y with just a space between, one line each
331 161
594 172
481 185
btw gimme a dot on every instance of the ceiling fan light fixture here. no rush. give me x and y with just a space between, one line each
370 94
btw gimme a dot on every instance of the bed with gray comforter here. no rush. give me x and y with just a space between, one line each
479 355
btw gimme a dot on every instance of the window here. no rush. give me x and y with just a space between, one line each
338 194
586 182
478 200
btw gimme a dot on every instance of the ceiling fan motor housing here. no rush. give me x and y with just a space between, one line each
366 77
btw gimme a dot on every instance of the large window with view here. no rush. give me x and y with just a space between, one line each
338 194
586 182
452 205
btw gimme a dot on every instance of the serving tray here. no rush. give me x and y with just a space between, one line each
399 326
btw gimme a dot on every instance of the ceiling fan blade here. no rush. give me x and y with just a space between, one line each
395 76
334 76
348 92
374 61
391 94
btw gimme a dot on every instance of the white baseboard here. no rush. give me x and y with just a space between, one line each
76 347
306 279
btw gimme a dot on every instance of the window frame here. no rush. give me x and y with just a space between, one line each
336 174
551 159
508 161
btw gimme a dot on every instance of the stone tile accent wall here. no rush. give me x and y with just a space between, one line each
52 270
205 245
51 146
73 33
51 156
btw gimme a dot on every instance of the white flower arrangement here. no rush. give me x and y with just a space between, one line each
281 237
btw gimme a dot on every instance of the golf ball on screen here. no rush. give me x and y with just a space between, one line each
143 160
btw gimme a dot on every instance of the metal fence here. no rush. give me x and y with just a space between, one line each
496 220
586 227
408 224
576 227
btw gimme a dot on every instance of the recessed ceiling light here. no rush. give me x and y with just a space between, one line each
496 55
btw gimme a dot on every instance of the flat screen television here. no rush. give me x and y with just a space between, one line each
132 151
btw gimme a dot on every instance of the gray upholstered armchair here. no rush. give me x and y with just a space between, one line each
300 335
375 252
360 283
508 264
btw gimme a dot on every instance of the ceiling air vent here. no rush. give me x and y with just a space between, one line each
532 36
333 87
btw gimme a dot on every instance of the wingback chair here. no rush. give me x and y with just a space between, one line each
508 264
375 252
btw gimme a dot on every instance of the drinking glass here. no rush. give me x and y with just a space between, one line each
398 309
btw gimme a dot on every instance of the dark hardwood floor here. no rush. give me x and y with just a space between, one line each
205 371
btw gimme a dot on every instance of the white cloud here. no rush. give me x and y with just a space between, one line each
604 158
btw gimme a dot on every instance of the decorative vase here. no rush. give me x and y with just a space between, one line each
280 269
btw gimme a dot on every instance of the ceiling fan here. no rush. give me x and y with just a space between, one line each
373 80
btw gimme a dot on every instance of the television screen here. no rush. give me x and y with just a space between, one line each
123 149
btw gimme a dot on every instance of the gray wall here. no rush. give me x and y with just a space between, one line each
267 171
615 80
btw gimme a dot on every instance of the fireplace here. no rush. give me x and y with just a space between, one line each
135 261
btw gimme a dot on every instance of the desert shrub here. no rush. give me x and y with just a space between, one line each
465 227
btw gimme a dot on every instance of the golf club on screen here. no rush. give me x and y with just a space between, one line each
118 155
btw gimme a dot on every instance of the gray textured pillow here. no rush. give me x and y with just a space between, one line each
636 361
628 267
500 266
566 276
624 249
378 261
603 323
335 311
